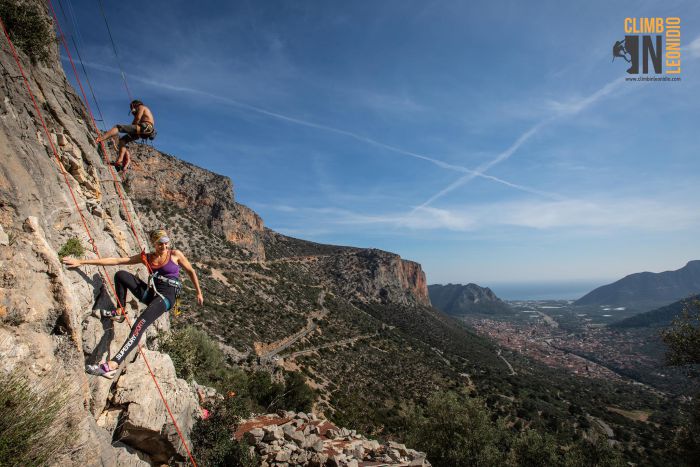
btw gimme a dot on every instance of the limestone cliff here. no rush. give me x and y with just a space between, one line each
47 331
370 275
361 274
157 177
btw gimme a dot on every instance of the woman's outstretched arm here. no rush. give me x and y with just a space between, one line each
75 262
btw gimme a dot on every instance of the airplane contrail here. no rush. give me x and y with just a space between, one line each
471 173
565 110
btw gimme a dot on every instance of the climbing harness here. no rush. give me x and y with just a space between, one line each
146 131
156 276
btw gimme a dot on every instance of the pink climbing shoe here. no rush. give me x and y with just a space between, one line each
102 369
114 315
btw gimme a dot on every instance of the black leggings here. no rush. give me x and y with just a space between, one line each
156 306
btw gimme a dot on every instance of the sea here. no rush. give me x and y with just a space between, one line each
544 290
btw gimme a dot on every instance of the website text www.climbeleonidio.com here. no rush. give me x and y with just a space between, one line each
653 78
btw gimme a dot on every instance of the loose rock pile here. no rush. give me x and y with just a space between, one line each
298 439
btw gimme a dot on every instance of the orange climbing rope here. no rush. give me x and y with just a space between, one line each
104 274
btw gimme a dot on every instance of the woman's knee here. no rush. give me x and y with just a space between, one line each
122 276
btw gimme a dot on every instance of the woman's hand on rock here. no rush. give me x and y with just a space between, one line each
71 262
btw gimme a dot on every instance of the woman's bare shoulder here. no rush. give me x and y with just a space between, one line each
177 254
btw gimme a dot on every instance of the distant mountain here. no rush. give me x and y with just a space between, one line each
661 317
459 300
647 290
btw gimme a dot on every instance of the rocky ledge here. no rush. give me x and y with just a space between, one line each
298 439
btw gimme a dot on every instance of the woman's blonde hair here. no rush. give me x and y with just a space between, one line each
158 235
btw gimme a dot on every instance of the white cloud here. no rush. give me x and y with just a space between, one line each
600 215
612 214
694 48
386 103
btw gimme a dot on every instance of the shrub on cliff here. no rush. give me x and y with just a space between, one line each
35 421
195 355
29 28
298 396
72 247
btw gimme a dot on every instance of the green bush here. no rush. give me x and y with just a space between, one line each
298 396
36 423
72 247
594 454
195 355
455 430
212 438
29 28
534 449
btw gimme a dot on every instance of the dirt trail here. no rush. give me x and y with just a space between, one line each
340 343
510 367
270 350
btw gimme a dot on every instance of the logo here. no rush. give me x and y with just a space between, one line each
132 339
651 46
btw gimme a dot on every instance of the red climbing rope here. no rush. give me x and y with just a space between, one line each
94 124
104 274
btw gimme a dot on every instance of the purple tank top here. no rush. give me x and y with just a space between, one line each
169 269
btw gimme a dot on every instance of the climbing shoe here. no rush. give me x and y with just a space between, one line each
102 369
114 315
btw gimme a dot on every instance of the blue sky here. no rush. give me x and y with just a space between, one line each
491 142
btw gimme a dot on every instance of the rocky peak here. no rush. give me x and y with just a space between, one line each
367 275
458 299
157 177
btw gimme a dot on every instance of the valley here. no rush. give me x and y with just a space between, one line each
577 339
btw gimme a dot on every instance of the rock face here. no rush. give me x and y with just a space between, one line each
371 275
158 177
460 300
47 331
289 438
365 274
145 423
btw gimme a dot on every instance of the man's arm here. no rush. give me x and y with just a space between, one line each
139 115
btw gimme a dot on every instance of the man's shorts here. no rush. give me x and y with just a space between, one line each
132 133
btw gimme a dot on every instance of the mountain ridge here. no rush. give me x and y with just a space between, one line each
209 197
647 290
661 317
